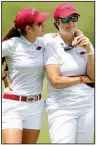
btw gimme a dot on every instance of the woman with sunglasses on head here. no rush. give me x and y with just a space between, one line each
22 106
69 63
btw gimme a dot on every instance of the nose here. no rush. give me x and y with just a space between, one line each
70 22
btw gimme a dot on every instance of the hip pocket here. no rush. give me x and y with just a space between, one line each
9 105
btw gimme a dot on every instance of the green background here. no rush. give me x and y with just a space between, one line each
86 25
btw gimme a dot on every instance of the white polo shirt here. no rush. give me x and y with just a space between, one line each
25 64
72 63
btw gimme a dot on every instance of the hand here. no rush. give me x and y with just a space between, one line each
7 83
6 80
86 79
4 75
82 41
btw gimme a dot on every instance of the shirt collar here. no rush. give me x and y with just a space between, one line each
61 40
28 43
65 46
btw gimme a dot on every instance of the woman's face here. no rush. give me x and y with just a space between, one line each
68 24
38 29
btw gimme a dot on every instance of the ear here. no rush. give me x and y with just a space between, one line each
28 28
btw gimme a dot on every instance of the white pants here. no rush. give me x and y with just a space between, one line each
71 126
19 114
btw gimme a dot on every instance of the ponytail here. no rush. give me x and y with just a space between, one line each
13 32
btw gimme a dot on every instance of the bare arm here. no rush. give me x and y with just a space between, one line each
58 81
84 42
90 65
6 80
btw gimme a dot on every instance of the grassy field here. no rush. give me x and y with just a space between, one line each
86 24
85 9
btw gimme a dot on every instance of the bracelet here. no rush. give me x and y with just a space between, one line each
90 53
4 76
81 79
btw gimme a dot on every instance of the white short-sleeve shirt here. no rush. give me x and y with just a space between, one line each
25 64
72 63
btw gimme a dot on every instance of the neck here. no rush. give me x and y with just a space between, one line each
30 38
67 37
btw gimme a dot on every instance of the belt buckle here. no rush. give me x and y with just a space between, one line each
27 100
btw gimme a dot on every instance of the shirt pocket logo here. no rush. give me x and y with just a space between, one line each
38 48
82 53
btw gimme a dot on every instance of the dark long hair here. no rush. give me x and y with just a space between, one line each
13 32
55 23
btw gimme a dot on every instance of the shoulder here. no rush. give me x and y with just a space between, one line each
10 42
52 47
53 43
47 38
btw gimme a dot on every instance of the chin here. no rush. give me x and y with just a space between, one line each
70 29
41 34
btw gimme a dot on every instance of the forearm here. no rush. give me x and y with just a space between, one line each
6 82
90 64
5 79
90 67
63 82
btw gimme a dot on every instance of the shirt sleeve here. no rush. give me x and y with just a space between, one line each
51 55
46 38
5 49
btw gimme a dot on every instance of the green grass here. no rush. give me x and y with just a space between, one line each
85 9
86 24
44 135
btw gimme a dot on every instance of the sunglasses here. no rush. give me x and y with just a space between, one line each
68 19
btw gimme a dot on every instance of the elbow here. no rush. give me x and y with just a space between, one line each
57 84
92 78
54 83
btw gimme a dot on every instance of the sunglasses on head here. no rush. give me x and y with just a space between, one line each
70 18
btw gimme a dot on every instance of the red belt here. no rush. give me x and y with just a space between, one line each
22 98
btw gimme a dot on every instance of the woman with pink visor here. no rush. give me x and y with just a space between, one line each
22 107
69 66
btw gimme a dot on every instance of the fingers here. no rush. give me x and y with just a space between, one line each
81 41
76 39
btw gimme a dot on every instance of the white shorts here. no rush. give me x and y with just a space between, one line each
19 114
71 126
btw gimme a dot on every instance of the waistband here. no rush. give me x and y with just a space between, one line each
22 98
